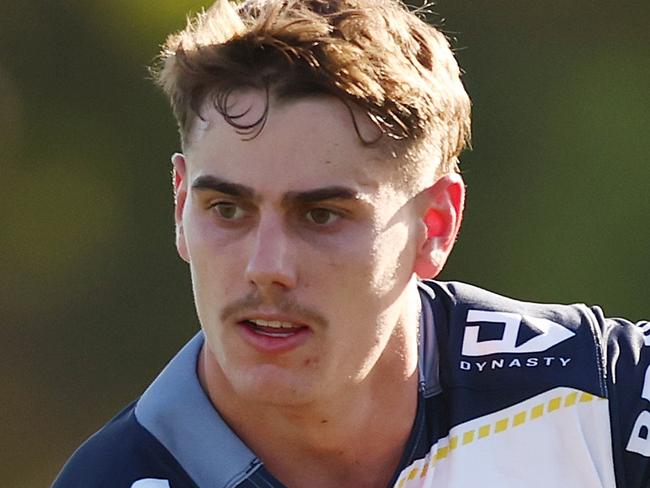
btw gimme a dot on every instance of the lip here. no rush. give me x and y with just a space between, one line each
272 317
267 344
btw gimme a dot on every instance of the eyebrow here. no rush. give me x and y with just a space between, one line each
209 182
213 183
320 194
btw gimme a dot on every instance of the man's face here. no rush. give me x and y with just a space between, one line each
301 245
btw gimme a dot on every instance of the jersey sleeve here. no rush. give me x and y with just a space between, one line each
122 455
627 354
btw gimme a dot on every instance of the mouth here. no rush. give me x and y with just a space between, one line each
273 328
274 335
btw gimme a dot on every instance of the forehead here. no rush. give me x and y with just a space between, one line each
313 140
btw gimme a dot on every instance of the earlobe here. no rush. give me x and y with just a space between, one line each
179 184
441 217
181 243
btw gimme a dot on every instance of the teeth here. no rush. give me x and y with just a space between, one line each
276 324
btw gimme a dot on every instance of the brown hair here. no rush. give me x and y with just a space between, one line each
373 54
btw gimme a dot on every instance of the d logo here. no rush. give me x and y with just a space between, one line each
548 333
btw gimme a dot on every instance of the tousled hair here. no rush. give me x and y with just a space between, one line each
374 55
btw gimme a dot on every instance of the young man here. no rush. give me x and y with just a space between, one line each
316 190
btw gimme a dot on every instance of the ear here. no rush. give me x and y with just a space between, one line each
179 183
441 214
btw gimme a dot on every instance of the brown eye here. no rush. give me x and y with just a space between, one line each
321 216
229 211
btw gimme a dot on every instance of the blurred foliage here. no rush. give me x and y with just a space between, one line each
94 299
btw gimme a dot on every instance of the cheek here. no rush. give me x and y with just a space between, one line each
363 275
214 260
393 257
207 243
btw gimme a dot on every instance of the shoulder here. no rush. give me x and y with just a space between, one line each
488 323
489 342
478 323
497 352
122 454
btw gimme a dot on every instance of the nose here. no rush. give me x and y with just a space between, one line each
272 260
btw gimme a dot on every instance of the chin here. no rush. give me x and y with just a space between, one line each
272 385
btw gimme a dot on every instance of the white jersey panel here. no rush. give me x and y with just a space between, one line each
558 438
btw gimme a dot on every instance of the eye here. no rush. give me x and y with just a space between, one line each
229 210
321 216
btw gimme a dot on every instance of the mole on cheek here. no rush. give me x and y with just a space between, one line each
310 362
333 264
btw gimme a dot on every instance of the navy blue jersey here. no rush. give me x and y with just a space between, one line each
511 394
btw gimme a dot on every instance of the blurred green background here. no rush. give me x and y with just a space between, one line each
93 298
